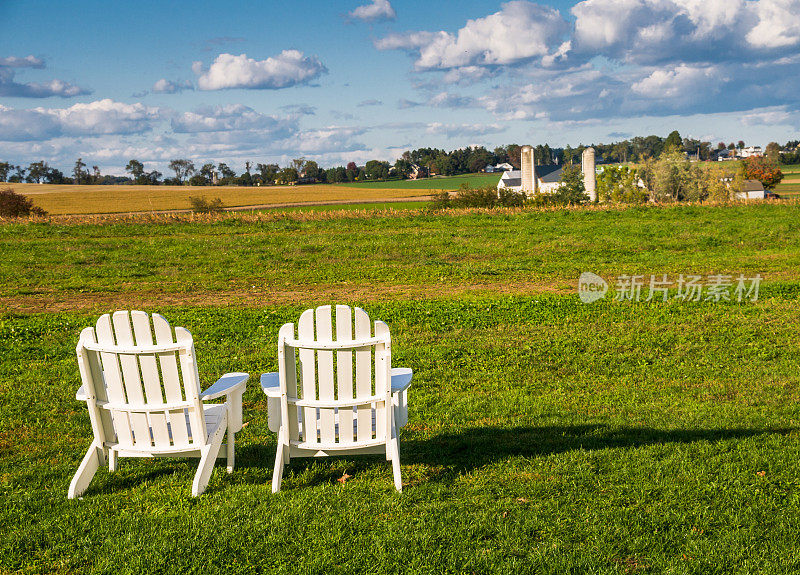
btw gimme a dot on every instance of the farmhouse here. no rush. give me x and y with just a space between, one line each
532 179
751 151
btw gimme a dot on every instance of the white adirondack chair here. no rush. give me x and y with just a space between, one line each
316 405
144 397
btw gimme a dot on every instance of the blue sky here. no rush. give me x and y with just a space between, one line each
367 79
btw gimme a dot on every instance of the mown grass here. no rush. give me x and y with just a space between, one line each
306 257
545 435
66 199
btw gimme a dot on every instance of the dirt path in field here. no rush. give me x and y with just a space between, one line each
257 298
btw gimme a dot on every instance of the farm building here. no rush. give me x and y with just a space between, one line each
752 190
546 179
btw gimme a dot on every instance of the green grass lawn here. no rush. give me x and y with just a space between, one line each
436 183
544 435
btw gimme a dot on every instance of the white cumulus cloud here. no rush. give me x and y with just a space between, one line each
289 68
519 31
96 118
679 83
164 86
376 10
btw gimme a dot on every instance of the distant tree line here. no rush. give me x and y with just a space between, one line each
422 162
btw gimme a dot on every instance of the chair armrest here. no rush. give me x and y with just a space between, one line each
401 378
80 395
270 384
228 383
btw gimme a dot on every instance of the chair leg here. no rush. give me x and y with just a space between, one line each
89 465
113 460
207 460
277 471
230 456
398 479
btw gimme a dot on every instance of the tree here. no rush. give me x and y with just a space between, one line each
205 175
182 169
674 140
721 182
620 184
136 169
740 145
773 152
352 171
225 173
54 176
267 172
298 164
77 171
5 168
153 178
312 171
762 169
376 170
37 172
673 178
403 167
572 190
287 176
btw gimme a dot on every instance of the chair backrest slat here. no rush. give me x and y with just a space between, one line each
151 379
382 383
305 330
327 416
288 371
363 377
191 386
344 372
130 378
170 378
91 370
113 381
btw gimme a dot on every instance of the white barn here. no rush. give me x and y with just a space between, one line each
531 178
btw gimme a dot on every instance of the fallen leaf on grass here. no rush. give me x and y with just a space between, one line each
761 473
344 478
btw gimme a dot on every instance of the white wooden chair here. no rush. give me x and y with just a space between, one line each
144 397
316 404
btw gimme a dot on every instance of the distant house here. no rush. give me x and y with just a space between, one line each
752 151
504 167
752 190
547 177
725 155
416 172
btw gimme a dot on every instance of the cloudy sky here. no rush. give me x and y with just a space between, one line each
359 79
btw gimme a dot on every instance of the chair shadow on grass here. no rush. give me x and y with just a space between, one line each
455 453
478 446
